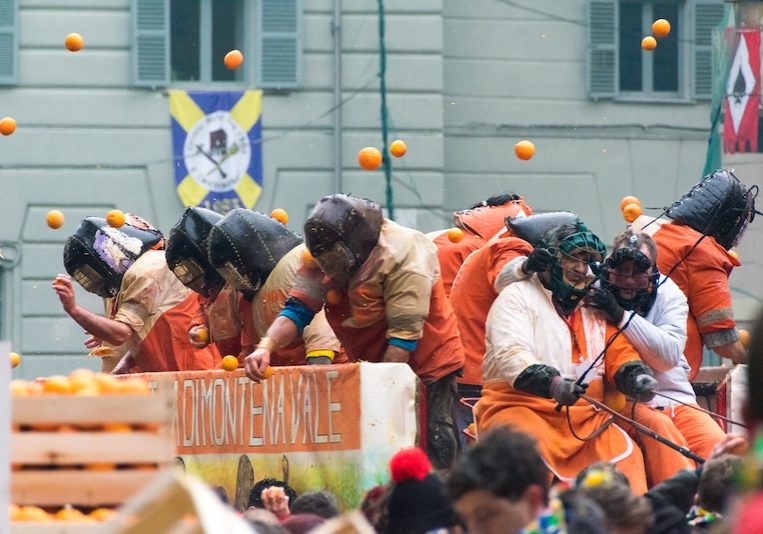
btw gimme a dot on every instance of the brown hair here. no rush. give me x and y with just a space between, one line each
623 240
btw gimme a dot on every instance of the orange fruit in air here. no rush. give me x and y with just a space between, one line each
631 212
648 43
74 42
370 158
630 199
308 260
744 337
15 358
33 513
334 296
55 219
7 125
524 150
280 215
230 363
57 385
455 235
233 59
398 148
734 255
660 28
115 218
267 373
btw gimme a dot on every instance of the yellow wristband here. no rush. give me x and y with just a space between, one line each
267 343
319 353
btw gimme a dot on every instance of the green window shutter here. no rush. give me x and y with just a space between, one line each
9 42
602 49
151 42
279 38
707 15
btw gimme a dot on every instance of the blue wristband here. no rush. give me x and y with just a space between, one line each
298 313
405 344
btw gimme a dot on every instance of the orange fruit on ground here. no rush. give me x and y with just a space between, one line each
55 219
455 235
7 125
230 363
33 513
74 42
334 296
19 388
744 337
133 386
83 383
102 514
398 148
15 358
629 199
631 212
57 385
280 215
115 218
117 427
370 158
524 150
268 372
107 384
648 43
34 389
67 513
308 260
233 59
660 28
200 335
100 467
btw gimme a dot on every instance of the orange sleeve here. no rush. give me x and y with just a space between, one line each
503 251
708 283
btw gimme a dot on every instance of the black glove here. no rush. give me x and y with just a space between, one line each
604 301
566 391
635 381
643 388
538 261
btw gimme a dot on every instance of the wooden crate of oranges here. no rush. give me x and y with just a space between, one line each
84 442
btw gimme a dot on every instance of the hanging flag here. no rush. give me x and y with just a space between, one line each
216 144
740 123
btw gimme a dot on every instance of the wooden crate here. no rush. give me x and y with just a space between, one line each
53 473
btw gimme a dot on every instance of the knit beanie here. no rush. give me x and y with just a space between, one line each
418 501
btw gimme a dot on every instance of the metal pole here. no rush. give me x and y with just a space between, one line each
383 92
336 28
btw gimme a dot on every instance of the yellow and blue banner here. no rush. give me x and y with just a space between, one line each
216 144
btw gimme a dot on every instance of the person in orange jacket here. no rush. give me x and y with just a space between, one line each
379 286
543 351
478 224
693 251
187 257
260 258
148 311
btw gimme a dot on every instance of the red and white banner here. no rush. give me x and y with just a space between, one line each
740 124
